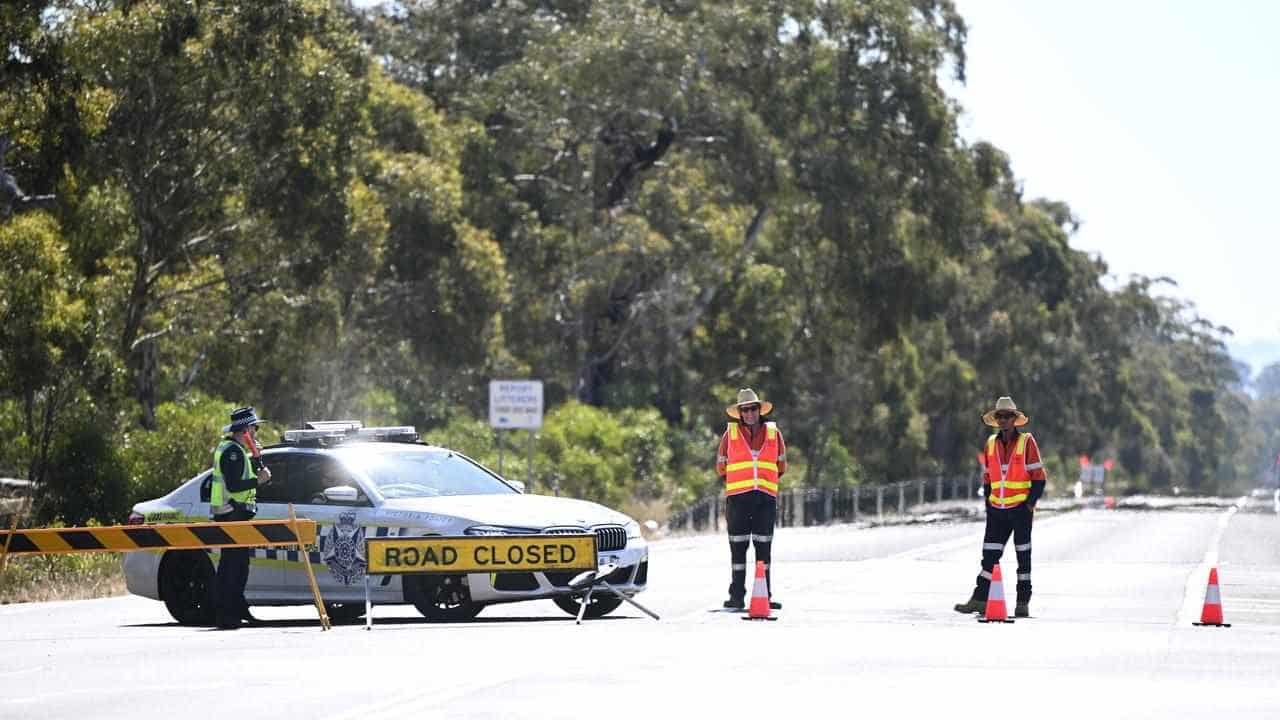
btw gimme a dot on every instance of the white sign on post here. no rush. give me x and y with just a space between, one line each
515 404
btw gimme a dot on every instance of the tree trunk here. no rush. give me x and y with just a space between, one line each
141 368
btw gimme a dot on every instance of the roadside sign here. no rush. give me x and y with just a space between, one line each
515 404
485 554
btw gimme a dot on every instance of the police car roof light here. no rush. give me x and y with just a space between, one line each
390 433
334 433
333 425
313 437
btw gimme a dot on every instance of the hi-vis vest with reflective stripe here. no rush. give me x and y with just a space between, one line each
1011 483
218 488
744 473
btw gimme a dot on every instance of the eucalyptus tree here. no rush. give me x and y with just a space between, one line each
226 148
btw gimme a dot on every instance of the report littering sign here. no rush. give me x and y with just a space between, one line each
515 404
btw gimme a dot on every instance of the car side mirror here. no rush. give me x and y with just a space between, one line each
341 494
517 484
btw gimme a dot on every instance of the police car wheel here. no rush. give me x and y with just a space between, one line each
186 586
601 604
441 598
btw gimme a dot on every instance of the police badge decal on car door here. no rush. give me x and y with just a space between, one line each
344 550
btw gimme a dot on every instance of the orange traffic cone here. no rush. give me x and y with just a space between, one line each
759 609
996 610
1211 615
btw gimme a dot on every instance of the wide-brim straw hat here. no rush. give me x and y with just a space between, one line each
747 396
1005 404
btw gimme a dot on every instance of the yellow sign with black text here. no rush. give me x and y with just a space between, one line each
488 554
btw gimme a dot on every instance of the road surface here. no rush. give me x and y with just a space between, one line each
866 630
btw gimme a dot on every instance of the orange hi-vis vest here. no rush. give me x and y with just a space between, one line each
746 470
1011 483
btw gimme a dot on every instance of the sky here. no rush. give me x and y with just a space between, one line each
1158 122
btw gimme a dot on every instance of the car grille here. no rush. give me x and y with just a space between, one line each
608 537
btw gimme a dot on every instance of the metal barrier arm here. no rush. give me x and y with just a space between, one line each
128 538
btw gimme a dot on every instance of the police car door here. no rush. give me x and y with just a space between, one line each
266 566
339 562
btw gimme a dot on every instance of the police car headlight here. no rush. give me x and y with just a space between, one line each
495 530
633 529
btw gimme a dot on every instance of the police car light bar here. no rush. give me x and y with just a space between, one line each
313 437
335 432
343 425
390 433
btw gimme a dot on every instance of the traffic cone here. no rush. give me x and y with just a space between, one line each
1211 615
996 610
759 609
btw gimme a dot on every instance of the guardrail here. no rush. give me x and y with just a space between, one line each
800 507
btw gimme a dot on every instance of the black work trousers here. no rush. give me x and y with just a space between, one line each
750 517
1000 524
233 574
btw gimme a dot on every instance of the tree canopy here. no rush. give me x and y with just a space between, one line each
335 212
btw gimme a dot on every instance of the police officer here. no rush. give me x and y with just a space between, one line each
233 497
1013 480
751 460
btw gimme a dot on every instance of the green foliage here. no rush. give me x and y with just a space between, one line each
87 478
188 430
333 212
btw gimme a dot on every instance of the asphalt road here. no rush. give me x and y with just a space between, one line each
866 628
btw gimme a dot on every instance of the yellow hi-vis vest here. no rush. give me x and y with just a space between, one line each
746 470
218 488
1010 483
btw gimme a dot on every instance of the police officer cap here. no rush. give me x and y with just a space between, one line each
241 418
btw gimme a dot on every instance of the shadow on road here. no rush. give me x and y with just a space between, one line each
380 622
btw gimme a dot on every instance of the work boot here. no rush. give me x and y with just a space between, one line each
734 604
1023 608
974 605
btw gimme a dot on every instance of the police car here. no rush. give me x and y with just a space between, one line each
358 482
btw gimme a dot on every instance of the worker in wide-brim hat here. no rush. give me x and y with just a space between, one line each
752 459
233 497
1013 480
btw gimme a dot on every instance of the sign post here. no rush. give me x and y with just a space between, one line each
516 405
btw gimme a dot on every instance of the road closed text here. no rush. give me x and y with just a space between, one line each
523 553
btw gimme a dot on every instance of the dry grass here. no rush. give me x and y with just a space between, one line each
61 577
657 510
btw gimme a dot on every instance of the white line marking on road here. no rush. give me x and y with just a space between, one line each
1198 580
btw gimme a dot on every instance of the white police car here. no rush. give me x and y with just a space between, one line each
373 482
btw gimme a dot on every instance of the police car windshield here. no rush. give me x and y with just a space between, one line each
422 473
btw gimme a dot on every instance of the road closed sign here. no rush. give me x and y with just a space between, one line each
487 554
515 404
